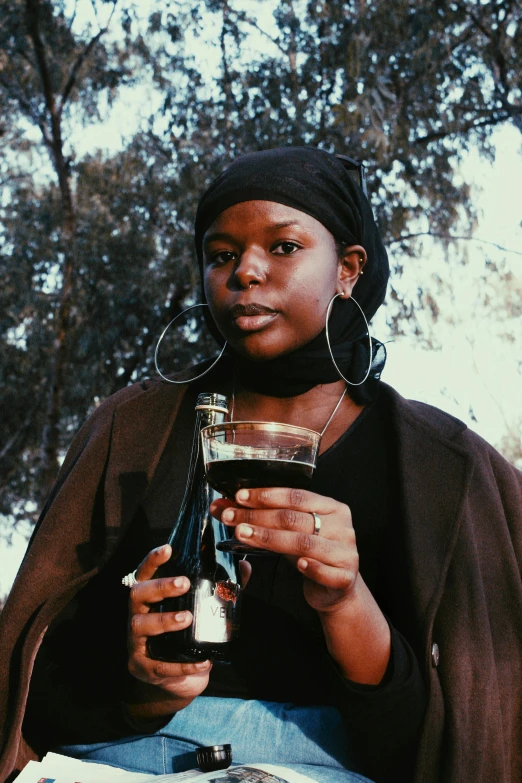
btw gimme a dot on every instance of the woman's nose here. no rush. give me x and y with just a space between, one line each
249 270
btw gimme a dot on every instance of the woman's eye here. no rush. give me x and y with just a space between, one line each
286 248
223 257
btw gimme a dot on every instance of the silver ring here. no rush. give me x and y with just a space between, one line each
130 580
317 523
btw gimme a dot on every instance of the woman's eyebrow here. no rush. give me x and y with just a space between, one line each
290 224
285 224
220 236
304 230
217 236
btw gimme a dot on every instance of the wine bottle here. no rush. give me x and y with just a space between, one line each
215 592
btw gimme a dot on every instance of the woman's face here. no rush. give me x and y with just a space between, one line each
269 272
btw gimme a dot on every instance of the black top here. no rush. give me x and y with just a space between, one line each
281 655
357 470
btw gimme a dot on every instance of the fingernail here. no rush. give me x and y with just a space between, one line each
302 565
164 549
243 494
180 616
245 531
202 665
228 515
179 581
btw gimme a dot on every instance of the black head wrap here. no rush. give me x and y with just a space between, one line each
315 182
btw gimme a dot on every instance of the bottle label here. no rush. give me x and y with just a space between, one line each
216 611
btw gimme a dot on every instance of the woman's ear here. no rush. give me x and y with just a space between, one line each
350 268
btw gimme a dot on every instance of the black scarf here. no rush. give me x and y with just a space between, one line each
315 182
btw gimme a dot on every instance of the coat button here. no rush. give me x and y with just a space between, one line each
435 655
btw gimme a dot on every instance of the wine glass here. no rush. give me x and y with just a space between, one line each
247 454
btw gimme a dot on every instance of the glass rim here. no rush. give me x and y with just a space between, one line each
265 425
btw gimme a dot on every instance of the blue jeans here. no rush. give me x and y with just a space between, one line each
310 740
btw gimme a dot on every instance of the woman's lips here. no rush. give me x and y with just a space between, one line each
252 317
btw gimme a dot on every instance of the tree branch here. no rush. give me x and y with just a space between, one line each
32 8
71 81
463 38
451 238
227 79
15 92
130 366
494 36
499 407
25 56
256 26
292 53
27 423
509 112
478 22
326 94
13 178
73 17
53 138
50 433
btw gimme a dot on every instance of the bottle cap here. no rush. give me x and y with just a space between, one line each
214 757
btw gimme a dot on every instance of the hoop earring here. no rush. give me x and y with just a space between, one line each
328 311
169 380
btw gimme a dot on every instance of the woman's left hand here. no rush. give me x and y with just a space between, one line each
281 520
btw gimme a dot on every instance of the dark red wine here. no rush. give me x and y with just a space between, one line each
227 476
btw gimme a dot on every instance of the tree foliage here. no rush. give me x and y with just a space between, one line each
95 247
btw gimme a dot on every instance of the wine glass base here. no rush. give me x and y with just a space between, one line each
236 547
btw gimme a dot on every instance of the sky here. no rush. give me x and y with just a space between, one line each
474 367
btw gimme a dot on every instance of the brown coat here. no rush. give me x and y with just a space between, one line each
463 520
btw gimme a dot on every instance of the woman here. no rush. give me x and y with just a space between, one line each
386 646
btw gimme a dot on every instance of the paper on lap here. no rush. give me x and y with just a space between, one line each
55 768
246 773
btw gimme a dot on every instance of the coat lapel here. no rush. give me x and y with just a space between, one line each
435 475
141 428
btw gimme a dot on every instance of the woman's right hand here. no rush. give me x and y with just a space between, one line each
163 687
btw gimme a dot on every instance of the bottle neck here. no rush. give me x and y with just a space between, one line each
205 416
211 408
